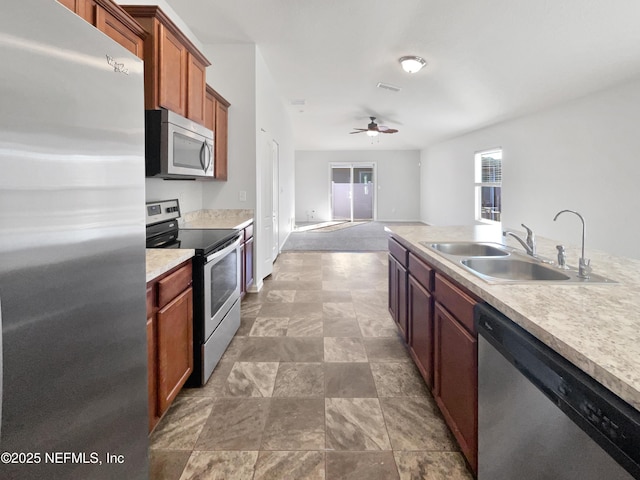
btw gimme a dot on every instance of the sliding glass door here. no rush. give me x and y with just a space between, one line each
352 191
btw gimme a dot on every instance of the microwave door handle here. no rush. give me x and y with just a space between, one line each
204 144
209 151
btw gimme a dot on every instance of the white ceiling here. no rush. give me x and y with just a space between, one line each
489 60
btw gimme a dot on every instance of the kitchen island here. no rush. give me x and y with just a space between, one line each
594 326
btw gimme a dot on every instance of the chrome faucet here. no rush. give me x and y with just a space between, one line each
584 265
530 243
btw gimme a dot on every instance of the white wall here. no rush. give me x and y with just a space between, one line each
188 192
398 182
582 155
233 75
273 118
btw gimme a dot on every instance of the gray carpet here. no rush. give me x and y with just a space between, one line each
359 238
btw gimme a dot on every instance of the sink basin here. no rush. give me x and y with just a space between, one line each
469 249
514 269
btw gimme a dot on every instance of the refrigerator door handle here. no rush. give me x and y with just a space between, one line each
1 369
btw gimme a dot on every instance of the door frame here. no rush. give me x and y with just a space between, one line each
351 166
275 169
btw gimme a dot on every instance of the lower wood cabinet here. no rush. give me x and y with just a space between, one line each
421 321
435 316
456 380
398 295
247 259
169 338
174 336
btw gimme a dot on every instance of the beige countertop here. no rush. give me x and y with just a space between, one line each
596 327
222 218
161 260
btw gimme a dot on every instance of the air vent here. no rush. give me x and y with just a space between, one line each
299 102
388 86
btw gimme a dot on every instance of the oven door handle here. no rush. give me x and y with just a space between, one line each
224 251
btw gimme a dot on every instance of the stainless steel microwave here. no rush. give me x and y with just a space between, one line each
177 147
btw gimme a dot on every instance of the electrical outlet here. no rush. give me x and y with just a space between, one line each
243 196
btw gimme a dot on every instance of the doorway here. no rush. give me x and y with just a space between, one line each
353 191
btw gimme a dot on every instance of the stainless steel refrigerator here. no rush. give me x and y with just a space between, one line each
72 260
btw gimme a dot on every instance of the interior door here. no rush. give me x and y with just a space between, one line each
275 163
264 237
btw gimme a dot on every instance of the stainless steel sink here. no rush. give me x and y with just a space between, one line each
469 249
497 263
514 269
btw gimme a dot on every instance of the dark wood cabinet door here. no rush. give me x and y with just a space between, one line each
196 84
221 131
398 295
114 28
248 270
421 327
456 380
209 111
172 72
151 373
243 270
174 335
82 8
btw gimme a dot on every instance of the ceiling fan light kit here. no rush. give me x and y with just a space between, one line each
373 129
412 64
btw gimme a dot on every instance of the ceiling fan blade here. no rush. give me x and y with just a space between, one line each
389 130
382 128
361 131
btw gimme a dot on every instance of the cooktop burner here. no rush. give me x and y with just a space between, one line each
163 232
202 241
205 241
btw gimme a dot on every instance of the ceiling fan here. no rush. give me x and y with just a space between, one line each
374 129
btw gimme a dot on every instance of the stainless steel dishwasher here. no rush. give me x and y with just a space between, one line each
540 417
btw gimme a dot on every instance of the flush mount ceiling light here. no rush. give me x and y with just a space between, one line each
412 64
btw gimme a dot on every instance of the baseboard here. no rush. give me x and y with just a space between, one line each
395 220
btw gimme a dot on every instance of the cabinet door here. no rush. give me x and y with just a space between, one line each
210 111
114 28
83 8
421 327
221 130
196 84
172 72
398 295
248 269
456 380
243 270
174 334
151 373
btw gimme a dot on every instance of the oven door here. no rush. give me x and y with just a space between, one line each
189 152
221 285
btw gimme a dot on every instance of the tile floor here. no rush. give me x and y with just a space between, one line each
315 385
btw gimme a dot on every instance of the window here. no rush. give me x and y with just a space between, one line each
488 185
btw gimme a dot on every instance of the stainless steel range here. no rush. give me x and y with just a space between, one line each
216 282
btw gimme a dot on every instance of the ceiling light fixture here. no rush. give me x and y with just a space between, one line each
412 64
372 133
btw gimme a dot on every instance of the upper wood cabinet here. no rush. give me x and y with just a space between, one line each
216 117
174 69
112 20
